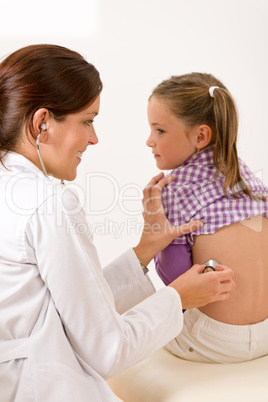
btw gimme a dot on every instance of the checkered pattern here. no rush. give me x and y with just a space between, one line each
195 193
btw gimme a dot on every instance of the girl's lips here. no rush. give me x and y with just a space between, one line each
79 154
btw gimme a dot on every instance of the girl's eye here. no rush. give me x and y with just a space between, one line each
160 131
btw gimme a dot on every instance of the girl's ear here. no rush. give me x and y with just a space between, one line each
41 121
203 136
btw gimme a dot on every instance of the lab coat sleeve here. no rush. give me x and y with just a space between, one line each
60 241
127 281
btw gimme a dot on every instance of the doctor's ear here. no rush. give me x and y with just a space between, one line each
203 136
40 123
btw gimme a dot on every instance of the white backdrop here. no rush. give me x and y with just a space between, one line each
136 44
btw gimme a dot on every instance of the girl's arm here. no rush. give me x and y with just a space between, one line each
173 261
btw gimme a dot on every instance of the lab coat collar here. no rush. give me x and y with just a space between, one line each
13 159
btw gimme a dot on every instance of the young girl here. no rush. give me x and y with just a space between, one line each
194 126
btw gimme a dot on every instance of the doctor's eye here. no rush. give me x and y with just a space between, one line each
89 122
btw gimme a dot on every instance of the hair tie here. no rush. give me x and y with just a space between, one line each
211 91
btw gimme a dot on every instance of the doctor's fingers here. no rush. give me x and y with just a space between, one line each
152 182
228 285
223 272
152 193
224 289
220 291
157 182
186 228
222 277
223 296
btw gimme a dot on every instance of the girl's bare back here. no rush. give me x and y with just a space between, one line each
242 246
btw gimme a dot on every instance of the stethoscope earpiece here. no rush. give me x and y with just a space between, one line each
43 127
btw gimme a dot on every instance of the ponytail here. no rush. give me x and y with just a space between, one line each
225 152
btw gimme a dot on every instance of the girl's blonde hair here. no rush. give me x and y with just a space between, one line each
189 99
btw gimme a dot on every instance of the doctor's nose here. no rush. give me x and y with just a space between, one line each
93 139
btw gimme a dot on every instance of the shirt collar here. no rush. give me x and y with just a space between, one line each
205 155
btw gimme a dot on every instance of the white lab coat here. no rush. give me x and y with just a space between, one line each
62 327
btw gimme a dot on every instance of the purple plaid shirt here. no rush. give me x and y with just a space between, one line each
196 194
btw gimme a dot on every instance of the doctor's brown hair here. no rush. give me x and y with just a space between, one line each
42 76
189 100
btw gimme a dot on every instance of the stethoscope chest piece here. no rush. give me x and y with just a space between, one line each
210 265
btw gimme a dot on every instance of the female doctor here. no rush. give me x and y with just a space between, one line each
66 324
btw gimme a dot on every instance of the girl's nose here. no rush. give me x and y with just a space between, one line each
150 142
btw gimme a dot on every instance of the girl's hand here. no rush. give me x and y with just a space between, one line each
158 232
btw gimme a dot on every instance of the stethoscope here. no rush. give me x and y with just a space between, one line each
210 265
43 127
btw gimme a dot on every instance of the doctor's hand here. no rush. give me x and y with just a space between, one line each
197 289
158 232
